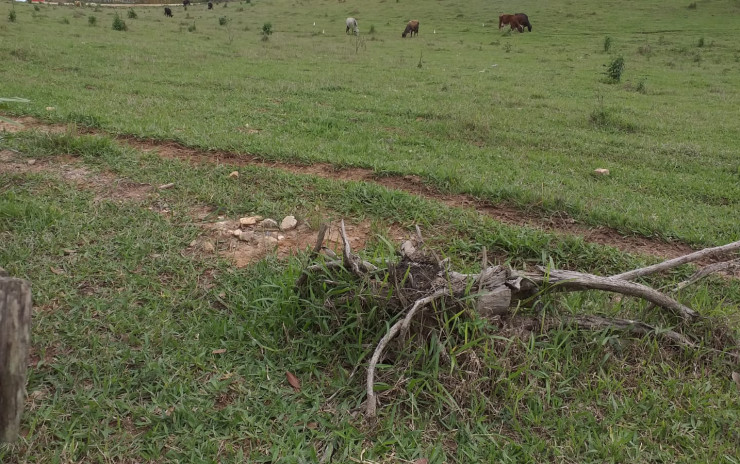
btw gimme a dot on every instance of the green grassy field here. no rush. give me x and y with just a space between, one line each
148 350
127 320
520 118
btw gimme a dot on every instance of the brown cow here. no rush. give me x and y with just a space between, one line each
517 21
412 27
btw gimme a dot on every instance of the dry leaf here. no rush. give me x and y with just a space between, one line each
312 425
293 381
736 378
57 271
219 351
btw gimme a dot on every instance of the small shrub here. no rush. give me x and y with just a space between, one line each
65 20
226 4
191 28
266 31
36 8
249 1
614 70
700 43
132 14
641 87
222 21
240 9
119 24
91 20
645 50
372 29
697 58
507 47
607 44
692 6
12 16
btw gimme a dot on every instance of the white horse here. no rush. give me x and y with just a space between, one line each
352 24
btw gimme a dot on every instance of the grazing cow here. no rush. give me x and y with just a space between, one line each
517 21
352 24
78 4
412 27
167 12
210 5
524 21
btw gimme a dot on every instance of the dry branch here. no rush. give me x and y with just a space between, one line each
571 280
704 272
403 324
675 262
316 249
420 278
635 327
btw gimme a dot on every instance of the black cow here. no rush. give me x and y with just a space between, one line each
167 12
185 3
210 5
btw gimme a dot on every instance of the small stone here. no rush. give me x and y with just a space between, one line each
234 174
208 247
249 221
288 223
281 237
270 240
269 224
601 172
50 108
31 162
193 243
246 236
236 232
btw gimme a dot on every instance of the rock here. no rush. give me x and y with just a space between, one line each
269 224
31 162
270 240
236 232
249 221
288 223
246 236
281 237
208 246
601 172
234 174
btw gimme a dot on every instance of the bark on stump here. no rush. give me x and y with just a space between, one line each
15 328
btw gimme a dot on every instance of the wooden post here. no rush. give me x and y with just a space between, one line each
15 337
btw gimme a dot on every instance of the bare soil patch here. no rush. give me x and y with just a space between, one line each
244 245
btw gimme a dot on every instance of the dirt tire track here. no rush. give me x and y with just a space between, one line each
409 183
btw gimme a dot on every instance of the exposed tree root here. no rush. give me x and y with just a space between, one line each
421 279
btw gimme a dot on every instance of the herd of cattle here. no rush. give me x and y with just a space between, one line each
516 21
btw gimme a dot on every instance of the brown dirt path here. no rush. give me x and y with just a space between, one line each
411 184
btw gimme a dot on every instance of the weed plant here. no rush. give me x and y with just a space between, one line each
119 24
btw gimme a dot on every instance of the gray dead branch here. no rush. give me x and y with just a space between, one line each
420 280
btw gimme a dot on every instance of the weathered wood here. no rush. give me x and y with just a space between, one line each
571 280
704 272
15 336
675 262
591 322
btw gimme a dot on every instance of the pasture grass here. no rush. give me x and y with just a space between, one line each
506 117
128 328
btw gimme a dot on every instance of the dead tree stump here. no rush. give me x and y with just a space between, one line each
15 337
